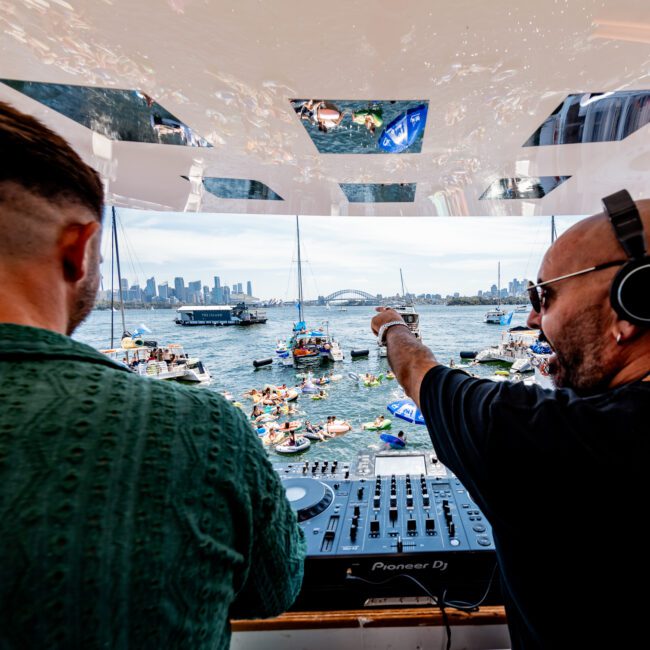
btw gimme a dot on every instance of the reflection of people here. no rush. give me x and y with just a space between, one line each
96 459
327 115
371 118
502 438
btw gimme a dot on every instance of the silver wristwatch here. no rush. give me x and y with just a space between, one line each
381 334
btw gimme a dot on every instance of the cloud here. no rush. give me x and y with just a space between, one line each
438 255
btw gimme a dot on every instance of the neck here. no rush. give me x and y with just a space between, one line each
26 299
637 368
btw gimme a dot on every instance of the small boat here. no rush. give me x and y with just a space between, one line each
409 315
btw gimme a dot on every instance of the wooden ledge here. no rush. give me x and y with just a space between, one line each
371 618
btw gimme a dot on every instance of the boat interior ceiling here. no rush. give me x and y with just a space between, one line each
418 108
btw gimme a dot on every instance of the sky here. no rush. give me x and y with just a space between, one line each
436 254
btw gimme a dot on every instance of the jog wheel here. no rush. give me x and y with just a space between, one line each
307 496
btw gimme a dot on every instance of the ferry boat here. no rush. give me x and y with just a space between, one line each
220 315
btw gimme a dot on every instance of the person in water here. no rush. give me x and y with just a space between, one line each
509 441
121 526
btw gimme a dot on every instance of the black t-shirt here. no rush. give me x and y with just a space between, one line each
564 482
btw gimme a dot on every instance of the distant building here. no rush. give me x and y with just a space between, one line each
150 289
239 288
179 288
163 291
226 295
194 292
249 288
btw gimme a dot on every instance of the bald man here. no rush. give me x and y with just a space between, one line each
133 513
561 475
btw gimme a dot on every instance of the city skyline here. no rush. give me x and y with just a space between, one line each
437 255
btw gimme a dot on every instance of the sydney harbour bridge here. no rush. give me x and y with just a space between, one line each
350 297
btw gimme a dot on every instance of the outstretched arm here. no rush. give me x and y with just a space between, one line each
409 359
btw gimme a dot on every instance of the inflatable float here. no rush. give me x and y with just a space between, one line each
393 441
374 382
338 427
302 443
371 426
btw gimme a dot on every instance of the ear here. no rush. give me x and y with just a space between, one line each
73 247
625 332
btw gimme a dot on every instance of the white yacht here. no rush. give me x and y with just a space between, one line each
166 362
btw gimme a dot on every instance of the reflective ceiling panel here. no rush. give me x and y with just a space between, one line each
128 115
123 80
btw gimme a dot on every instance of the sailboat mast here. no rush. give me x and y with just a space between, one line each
553 230
499 284
300 318
119 273
401 277
112 283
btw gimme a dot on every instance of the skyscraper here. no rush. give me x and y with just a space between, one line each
150 289
194 292
163 291
179 288
240 288
249 288
226 295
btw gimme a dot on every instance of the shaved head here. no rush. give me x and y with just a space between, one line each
578 319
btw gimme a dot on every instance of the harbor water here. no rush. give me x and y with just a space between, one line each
228 352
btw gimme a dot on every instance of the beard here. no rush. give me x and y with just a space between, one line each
579 359
86 296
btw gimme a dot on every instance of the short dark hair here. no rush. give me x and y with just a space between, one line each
35 157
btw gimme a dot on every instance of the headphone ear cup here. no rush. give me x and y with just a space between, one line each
630 292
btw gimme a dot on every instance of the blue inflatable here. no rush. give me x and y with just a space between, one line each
402 132
393 441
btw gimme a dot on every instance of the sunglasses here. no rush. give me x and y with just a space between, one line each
536 292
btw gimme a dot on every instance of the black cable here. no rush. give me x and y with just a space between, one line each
470 607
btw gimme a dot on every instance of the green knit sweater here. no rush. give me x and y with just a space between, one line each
133 513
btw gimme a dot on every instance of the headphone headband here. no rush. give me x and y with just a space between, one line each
625 219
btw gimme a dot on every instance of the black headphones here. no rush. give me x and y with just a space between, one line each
629 293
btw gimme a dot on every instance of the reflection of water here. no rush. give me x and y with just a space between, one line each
118 114
355 138
230 351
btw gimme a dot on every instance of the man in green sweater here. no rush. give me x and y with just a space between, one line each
133 513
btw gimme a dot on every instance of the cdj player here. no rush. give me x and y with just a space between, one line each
391 528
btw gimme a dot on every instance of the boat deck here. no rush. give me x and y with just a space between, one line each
374 629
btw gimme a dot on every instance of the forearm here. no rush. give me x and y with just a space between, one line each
409 359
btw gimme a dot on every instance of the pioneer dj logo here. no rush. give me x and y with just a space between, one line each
438 565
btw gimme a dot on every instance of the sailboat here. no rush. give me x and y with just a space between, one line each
497 316
148 358
307 346
409 315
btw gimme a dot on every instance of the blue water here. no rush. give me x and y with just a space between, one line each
229 353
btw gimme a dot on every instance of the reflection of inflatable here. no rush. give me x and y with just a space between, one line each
302 443
374 117
393 441
371 426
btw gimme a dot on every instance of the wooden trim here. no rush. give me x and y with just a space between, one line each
371 618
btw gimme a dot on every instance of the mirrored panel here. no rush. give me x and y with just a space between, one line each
356 126
523 188
128 115
379 192
594 117
240 188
